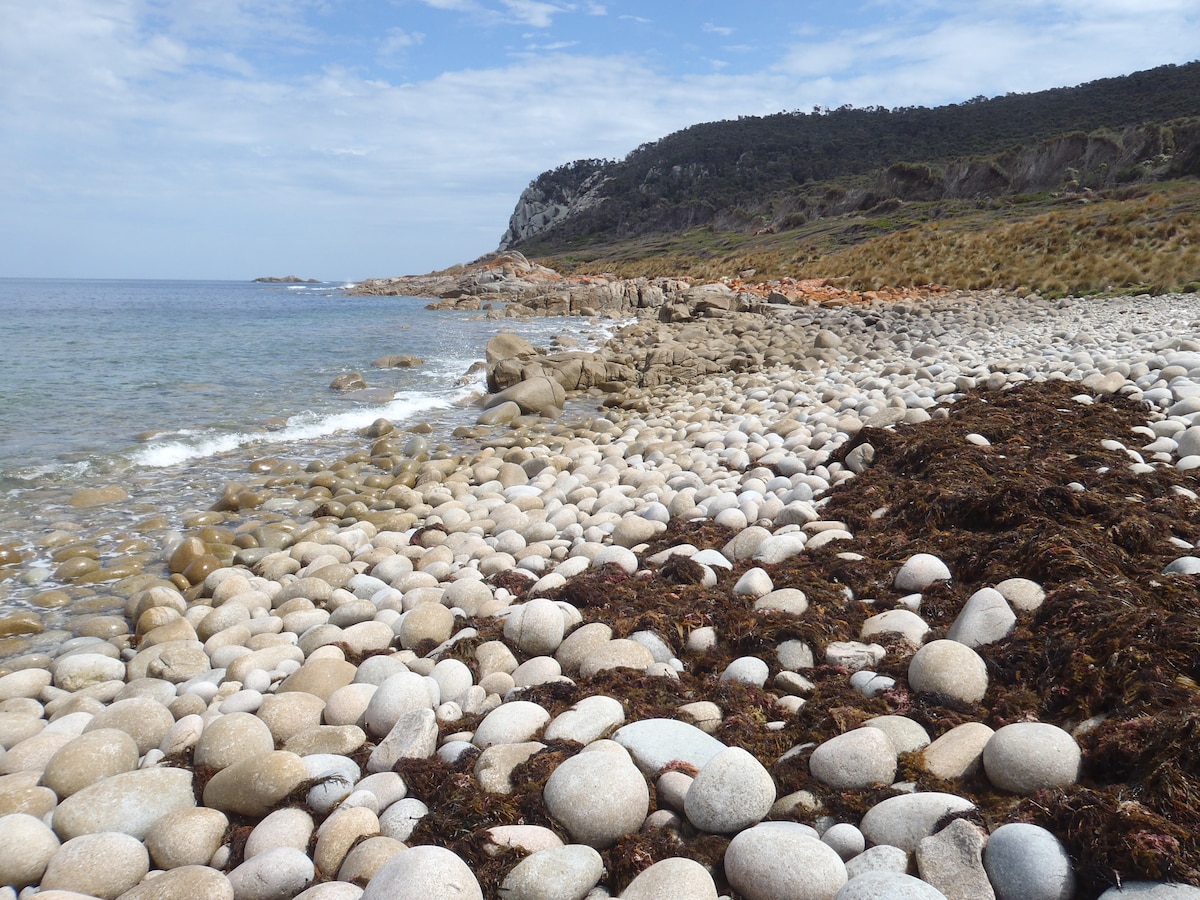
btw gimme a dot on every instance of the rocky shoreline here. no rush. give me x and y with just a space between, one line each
828 595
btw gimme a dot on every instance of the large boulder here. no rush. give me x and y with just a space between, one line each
539 395
506 356
507 345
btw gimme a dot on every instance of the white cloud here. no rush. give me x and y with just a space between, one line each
454 5
710 28
532 12
552 47
397 40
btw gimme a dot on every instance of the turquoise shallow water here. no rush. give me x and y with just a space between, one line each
169 388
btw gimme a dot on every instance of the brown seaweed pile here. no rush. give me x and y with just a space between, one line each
1116 643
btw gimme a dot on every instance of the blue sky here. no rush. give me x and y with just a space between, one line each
343 139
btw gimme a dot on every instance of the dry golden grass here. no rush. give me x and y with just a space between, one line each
1147 242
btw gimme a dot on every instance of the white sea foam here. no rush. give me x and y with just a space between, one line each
181 447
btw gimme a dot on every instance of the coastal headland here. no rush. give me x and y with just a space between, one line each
785 591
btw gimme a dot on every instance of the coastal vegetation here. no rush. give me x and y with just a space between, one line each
1086 189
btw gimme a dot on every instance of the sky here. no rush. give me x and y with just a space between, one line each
346 139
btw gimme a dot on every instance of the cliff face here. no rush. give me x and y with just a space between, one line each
552 198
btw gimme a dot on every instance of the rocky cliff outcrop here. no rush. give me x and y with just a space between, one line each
566 202
547 202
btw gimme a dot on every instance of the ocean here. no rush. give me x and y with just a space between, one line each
168 389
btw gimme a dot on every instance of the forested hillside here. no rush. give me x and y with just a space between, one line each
794 173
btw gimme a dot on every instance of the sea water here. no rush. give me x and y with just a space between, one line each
168 389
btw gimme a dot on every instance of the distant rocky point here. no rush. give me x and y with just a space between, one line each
288 279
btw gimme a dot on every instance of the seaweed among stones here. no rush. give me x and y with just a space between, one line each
1114 838
1114 637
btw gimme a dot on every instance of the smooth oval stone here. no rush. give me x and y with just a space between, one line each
536 627
881 858
1027 757
906 735
347 705
85 498
621 557
950 669
338 834
655 742
676 878
367 858
273 875
1184 565
287 827
184 883
633 530
1027 862
755 583
187 837
903 622
338 774
453 677
75 672
919 572
579 643
34 752
19 793
24 683
785 600
26 846
399 694
780 547
319 677
747 670
888 886
768 862
493 769
426 622
985 618
510 723
561 872
588 720
286 715
854 760
1151 890
598 796
958 752
130 802
904 820
424 873
1022 594
105 864
616 654
231 738
331 890
730 793
146 720
89 758
250 787
337 739
529 838
846 840
399 819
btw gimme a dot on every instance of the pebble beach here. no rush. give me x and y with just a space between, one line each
777 594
